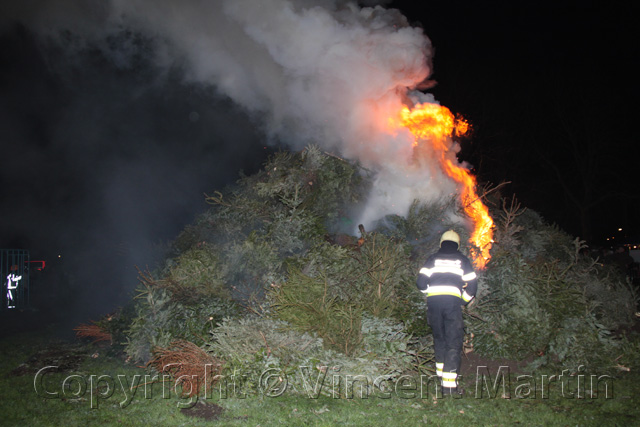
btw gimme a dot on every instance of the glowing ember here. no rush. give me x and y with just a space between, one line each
432 126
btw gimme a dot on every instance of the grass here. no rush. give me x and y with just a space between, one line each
21 405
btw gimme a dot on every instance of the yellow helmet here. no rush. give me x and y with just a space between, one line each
450 235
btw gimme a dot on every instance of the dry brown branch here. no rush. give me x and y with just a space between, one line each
94 331
217 199
265 343
181 293
335 157
511 212
489 188
187 364
145 278
485 191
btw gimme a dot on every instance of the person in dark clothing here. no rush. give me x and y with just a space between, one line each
449 281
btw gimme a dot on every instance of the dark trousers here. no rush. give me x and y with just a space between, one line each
444 315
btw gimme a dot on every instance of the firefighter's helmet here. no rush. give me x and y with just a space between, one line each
451 236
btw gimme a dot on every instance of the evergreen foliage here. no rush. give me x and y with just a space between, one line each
271 246
328 291
238 249
161 319
306 303
197 273
542 295
253 344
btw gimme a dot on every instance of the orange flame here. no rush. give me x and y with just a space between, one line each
433 126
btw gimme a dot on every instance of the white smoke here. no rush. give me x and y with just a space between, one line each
326 72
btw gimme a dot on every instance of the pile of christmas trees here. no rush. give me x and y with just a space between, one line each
271 276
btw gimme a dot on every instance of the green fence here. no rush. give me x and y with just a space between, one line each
14 270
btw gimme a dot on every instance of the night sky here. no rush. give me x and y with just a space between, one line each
104 162
550 90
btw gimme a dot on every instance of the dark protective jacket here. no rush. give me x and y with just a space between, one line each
448 272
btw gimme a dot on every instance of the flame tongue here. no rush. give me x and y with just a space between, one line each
432 126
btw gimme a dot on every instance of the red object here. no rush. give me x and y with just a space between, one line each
42 264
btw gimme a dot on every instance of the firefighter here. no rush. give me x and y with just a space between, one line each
449 281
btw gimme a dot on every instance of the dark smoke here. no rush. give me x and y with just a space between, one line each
125 111
105 161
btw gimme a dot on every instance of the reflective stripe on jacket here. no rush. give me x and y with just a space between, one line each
446 273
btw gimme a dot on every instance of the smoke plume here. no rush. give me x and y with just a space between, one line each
326 72
323 72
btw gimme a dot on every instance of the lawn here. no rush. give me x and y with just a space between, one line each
94 386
